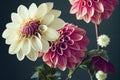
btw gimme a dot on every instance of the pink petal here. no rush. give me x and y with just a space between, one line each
71 2
67 52
74 9
82 11
87 18
49 63
54 60
99 7
91 11
97 18
47 56
75 46
76 36
62 62
71 65
80 31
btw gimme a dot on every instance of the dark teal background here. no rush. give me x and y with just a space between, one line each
12 69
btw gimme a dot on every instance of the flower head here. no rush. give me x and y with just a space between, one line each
31 29
103 65
92 10
68 50
103 40
100 75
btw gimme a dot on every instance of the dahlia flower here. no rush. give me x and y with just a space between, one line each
92 10
103 65
31 29
100 75
103 40
68 50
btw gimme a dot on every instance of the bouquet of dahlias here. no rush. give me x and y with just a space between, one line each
39 32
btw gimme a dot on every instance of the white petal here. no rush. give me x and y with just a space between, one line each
6 33
16 18
11 38
51 34
26 46
47 19
20 55
15 47
23 12
41 11
56 13
32 10
33 55
57 24
45 46
36 43
12 26
49 5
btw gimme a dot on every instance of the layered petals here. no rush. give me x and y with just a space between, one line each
88 9
68 50
32 28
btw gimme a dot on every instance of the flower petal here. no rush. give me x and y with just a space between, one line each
87 18
57 24
16 18
36 43
74 9
51 34
47 19
23 12
12 25
82 12
99 7
42 10
26 46
72 2
76 36
62 62
6 33
15 47
47 56
33 55
91 11
49 5
45 45
56 13
32 10
11 38
20 55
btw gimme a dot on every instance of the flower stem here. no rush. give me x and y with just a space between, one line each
97 32
91 77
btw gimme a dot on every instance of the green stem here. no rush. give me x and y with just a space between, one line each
71 71
91 77
97 33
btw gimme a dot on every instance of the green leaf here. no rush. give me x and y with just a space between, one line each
102 53
44 72
35 75
87 62
84 67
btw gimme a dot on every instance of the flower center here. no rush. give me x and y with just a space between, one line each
63 42
30 28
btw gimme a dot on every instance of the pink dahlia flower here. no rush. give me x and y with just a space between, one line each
92 10
68 50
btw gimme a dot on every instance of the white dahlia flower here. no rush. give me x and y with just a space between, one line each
31 29
103 40
100 75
